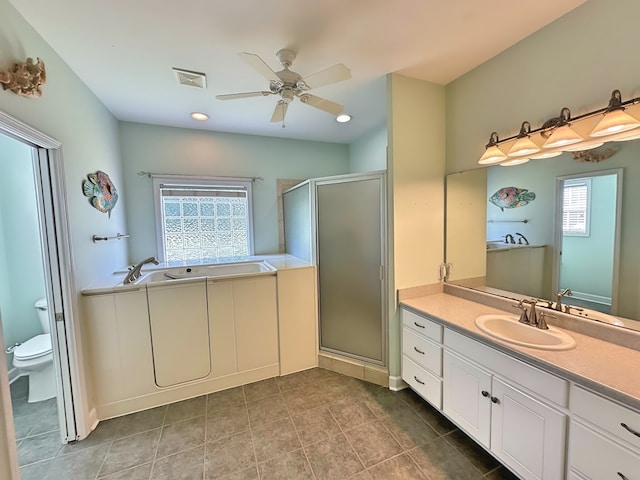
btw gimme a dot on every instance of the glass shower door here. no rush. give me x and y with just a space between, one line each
350 256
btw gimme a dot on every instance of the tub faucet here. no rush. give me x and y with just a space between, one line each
134 271
562 293
509 238
522 238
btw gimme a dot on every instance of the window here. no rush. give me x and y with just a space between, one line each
201 219
576 200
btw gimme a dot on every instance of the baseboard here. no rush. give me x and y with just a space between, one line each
396 383
588 297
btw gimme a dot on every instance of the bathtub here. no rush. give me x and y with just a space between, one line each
225 270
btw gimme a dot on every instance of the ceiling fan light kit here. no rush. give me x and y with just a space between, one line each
288 84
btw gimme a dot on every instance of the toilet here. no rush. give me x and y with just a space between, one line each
35 358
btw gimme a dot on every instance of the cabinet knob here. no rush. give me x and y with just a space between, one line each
418 350
485 394
495 400
629 429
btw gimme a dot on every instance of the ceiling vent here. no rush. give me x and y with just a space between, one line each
191 79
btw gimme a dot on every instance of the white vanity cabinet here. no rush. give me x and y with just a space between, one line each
514 410
179 326
484 396
422 356
604 440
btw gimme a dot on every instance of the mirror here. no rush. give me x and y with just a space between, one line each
538 259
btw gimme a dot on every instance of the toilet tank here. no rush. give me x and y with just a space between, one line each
43 314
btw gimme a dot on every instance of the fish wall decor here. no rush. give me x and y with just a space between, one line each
512 197
101 191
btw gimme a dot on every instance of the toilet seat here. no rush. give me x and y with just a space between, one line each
36 347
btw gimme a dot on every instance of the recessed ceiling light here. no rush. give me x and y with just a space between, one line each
343 118
200 116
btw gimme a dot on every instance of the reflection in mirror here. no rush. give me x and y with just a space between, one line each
587 243
520 250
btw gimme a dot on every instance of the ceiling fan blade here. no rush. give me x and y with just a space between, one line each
231 96
279 112
260 66
334 74
322 103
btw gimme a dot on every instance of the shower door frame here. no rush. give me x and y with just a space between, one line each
383 273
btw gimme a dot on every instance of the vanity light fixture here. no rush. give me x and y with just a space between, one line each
563 134
616 122
514 161
615 119
524 145
492 154
201 117
343 118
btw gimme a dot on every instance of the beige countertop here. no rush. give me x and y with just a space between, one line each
112 283
610 369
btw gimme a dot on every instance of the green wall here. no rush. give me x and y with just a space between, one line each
584 255
69 112
170 150
369 152
21 271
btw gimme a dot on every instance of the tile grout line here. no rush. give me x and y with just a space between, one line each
253 443
302 446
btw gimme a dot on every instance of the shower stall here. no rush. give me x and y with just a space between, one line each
339 224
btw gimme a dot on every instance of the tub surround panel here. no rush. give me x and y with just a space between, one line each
257 327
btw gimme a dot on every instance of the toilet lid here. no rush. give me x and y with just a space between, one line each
35 347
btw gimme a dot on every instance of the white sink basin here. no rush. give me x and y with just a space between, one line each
508 329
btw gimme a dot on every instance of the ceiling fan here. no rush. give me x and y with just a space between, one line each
288 84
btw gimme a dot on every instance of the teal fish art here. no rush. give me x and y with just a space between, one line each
101 192
512 197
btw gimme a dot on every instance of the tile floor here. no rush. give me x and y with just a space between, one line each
315 425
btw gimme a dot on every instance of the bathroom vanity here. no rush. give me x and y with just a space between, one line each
154 342
544 414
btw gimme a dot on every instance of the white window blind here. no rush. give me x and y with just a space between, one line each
576 198
202 220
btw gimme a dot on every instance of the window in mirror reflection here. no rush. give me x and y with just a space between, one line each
576 200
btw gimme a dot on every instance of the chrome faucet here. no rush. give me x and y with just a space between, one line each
522 238
566 291
134 271
508 238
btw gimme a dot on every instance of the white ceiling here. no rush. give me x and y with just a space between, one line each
124 51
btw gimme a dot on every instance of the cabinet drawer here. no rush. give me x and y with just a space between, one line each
422 326
597 457
607 415
542 383
422 382
426 354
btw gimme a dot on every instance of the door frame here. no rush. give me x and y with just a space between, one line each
557 246
59 270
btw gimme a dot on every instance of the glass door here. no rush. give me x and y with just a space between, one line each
351 261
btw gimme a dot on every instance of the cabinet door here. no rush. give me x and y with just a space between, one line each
466 396
596 456
179 332
256 322
527 435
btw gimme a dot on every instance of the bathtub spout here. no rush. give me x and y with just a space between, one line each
134 272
